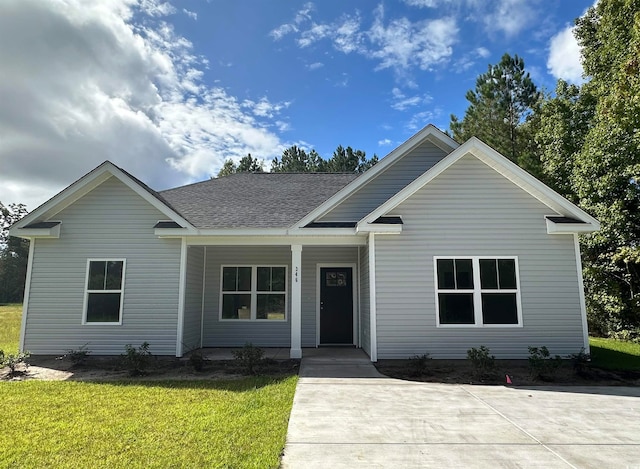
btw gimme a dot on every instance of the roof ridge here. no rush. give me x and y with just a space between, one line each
258 174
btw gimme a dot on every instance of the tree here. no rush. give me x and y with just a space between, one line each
503 99
247 164
14 253
348 160
607 168
296 160
562 123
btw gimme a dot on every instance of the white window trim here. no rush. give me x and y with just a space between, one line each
87 292
477 293
254 294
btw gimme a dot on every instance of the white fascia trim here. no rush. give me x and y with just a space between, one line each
276 240
171 232
181 294
583 302
27 290
29 233
495 160
89 182
430 132
569 228
379 228
66 197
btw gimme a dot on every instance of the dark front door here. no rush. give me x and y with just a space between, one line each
336 305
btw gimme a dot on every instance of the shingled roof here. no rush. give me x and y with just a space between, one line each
254 200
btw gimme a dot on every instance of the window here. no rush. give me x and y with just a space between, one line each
477 291
253 293
104 291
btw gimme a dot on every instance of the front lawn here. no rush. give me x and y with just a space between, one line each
140 423
615 354
10 317
144 424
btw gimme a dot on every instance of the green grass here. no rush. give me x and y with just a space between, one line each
10 317
615 354
218 424
140 424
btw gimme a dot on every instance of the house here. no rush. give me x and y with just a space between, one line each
437 248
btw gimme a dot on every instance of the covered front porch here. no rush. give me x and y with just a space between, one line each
290 296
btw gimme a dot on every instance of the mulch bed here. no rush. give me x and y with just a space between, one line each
98 368
461 372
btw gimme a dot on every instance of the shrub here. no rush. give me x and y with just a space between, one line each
542 365
78 356
484 365
13 360
135 359
197 360
580 361
249 357
419 364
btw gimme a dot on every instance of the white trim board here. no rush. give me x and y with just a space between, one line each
430 132
86 184
480 150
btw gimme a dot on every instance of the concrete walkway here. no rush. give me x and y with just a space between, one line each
347 415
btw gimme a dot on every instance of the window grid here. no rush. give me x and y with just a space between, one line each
253 292
103 291
478 291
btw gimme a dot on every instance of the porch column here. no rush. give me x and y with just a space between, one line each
296 301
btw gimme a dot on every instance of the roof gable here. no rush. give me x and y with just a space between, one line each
86 184
502 165
429 133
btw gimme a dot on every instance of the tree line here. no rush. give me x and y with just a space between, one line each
297 160
584 142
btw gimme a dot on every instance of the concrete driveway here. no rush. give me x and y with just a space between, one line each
347 415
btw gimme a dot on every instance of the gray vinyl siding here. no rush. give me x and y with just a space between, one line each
111 221
311 257
471 210
365 325
387 183
193 299
236 333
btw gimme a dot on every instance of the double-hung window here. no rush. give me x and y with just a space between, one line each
477 291
104 291
253 293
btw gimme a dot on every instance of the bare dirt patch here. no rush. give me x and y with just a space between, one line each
160 368
461 372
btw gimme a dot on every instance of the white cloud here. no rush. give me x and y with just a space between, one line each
402 102
564 57
315 66
422 3
303 15
468 60
108 80
191 14
398 44
482 52
384 143
510 16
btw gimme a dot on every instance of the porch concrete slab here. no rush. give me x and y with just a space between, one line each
339 421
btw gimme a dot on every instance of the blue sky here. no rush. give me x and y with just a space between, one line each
169 90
